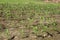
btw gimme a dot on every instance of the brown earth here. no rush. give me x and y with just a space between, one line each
15 34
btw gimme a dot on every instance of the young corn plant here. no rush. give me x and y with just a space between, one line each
54 24
21 32
44 28
35 29
7 33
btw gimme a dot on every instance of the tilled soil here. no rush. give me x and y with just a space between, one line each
16 34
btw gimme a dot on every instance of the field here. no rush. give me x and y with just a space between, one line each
29 20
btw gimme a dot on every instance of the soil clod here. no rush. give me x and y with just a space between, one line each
40 36
12 38
26 36
58 32
49 34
